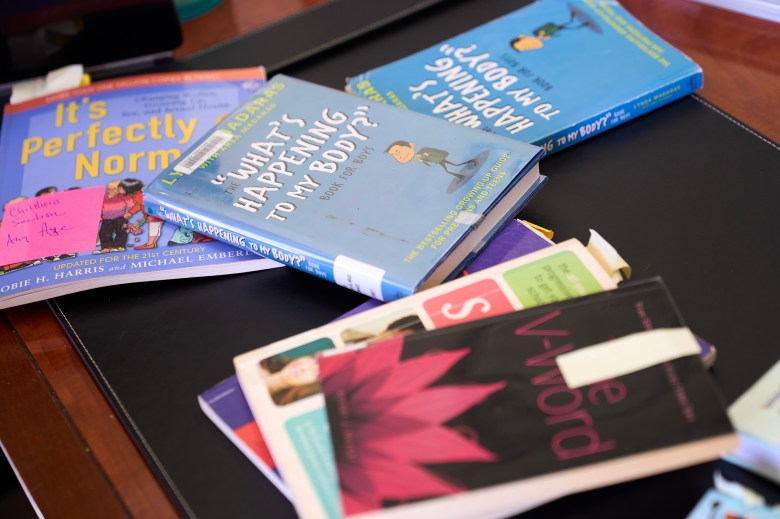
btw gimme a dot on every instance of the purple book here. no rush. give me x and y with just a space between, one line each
226 406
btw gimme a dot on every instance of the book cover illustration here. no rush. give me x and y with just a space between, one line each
74 167
552 73
756 415
376 199
280 382
716 504
226 406
413 418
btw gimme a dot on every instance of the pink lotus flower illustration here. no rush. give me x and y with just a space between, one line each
387 423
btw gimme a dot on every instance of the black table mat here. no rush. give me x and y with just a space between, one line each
684 192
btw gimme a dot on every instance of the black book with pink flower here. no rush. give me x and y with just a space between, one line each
497 416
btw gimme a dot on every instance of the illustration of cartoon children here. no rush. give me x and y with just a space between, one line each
403 152
133 188
112 232
551 29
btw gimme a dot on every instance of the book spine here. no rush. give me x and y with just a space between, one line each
622 113
342 270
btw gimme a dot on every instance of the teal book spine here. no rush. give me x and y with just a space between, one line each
373 198
552 73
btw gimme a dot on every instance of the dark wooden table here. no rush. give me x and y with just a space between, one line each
75 457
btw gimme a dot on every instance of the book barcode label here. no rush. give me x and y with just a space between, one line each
358 276
203 152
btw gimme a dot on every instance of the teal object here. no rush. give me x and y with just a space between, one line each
189 9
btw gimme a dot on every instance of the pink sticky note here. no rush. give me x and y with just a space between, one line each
48 225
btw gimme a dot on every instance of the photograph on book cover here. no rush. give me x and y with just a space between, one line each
75 165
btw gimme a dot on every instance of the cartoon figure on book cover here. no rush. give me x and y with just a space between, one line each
551 29
185 236
404 152
112 233
133 188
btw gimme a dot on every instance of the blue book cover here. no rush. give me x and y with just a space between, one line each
376 199
552 73
74 165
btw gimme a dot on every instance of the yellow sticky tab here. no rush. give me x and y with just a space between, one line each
547 233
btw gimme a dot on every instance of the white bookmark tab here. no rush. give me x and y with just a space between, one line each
608 257
625 355
56 80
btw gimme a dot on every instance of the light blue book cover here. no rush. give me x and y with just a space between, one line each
380 200
756 415
73 166
551 73
719 505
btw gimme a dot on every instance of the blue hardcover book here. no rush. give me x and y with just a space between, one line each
551 73
380 200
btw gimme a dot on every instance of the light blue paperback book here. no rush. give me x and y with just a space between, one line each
552 73
374 198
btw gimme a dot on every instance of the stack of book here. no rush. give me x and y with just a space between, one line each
484 395
450 400
532 377
227 407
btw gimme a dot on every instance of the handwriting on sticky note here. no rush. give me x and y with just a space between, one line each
49 225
